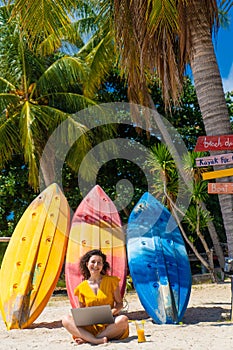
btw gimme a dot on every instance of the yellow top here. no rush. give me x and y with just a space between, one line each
104 296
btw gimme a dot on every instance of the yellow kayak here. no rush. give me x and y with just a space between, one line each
34 257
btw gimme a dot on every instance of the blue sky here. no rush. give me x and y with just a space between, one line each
224 54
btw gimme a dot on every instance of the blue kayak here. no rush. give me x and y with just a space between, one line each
158 261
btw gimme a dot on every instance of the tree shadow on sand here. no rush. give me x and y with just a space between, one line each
192 315
49 325
198 314
137 315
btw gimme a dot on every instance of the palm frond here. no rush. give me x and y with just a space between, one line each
73 131
40 19
225 5
71 33
65 73
9 139
48 119
200 193
99 60
160 158
195 214
17 60
162 15
8 102
26 131
224 8
67 101
35 126
6 85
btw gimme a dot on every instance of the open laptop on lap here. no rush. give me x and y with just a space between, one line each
86 316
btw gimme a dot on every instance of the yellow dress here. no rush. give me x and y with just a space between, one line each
104 296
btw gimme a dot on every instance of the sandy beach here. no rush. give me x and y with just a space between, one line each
205 325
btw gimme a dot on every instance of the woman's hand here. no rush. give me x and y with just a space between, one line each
118 301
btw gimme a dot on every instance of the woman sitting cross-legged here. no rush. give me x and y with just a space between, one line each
98 289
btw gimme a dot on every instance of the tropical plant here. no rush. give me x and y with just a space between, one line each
36 95
15 195
42 19
196 219
173 33
161 162
200 197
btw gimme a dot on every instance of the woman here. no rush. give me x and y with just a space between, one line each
98 289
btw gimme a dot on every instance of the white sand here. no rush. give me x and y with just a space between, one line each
205 326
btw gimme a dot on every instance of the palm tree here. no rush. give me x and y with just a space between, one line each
144 29
210 94
175 33
35 95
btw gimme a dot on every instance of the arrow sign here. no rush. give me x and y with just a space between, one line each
221 159
220 188
214 143
216 174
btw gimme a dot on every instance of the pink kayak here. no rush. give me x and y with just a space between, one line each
96 224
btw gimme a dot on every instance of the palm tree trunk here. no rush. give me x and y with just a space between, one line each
210 95
215 239
208 265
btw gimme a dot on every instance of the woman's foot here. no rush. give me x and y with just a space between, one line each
103 340
79 341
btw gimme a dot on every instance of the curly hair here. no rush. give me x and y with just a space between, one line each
86 257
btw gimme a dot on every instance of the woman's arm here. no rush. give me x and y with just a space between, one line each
118 303
81 304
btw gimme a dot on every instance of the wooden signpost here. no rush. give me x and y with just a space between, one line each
220 159
217 174
220 188
218 143
214 143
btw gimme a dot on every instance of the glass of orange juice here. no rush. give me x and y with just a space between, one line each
140 331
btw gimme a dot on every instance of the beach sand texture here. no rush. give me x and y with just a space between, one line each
205 325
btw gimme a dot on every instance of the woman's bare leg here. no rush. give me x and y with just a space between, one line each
116 329
81 333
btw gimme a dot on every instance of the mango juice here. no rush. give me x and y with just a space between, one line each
141 335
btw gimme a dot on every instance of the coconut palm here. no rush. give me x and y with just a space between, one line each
166 35
35 95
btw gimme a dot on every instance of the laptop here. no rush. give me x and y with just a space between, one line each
86 316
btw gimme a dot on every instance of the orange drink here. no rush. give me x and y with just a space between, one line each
140 332
141 335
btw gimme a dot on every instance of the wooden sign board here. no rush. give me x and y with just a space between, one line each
221 159
214 143
217 174
220 188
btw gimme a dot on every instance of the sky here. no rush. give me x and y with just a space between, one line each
224 54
